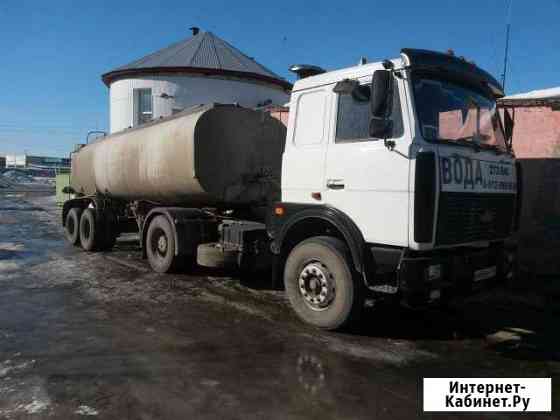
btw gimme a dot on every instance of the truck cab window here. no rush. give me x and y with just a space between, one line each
310 119
352 119
352 123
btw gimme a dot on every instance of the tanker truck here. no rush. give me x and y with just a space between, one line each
393 180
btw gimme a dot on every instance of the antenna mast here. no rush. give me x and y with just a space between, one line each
506 52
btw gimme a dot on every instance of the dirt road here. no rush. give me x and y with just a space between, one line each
100 335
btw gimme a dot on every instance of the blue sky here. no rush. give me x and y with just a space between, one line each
53 52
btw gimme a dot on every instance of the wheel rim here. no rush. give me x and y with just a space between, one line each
316 286
162 244
159 243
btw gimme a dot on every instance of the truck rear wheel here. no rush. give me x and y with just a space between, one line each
90 234
321 285
72 226
160 245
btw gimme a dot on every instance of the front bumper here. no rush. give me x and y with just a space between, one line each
425 277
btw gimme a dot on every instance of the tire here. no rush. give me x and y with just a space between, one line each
91 237
214 256
160 246
72 226
323 263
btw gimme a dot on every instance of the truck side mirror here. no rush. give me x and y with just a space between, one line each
381 90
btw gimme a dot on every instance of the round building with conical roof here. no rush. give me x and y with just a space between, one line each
199 70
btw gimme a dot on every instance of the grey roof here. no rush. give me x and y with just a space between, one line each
201 51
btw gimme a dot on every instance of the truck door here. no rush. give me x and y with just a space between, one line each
363 178
304 156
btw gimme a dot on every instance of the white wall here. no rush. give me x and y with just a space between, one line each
16 161
186 90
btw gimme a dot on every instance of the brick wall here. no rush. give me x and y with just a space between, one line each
280 113
536 142
537 132
539 232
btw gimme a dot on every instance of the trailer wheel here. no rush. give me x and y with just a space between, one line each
72 226
321 284
90 234
160 245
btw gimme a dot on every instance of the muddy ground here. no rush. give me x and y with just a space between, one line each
86 335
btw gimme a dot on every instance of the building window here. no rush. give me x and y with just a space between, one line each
143 106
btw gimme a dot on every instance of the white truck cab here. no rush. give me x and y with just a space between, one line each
330 158
407 162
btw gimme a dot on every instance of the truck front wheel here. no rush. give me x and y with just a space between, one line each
160 245
321 284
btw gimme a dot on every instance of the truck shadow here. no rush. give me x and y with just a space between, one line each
508 326
509 320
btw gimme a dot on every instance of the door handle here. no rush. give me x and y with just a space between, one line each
335 184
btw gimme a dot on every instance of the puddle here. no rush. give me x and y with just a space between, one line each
6 266
17 208
11 246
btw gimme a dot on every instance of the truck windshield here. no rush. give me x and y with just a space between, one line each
455 113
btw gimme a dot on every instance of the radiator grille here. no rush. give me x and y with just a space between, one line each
474 217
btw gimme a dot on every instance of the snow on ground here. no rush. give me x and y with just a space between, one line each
12 177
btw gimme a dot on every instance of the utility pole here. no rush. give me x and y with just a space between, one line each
508 25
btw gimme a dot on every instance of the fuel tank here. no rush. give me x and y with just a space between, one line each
206 155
